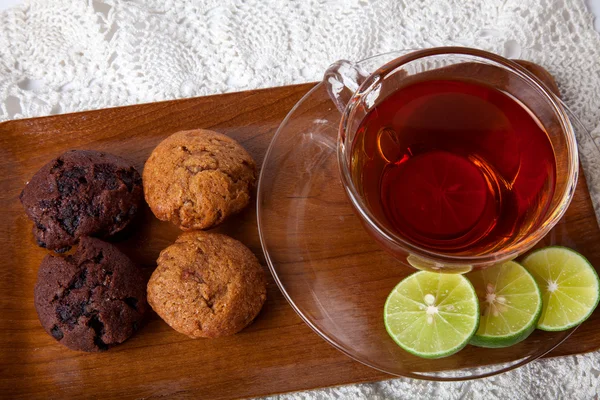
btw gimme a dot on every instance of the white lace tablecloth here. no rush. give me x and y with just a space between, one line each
65 56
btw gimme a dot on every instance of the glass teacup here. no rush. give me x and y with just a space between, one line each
362 97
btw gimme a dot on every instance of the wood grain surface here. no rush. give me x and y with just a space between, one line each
277 353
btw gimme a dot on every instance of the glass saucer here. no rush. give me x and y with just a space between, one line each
334 275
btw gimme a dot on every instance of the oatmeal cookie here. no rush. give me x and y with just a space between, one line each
207 285
197 178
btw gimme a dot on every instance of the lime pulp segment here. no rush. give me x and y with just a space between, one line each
510 303
569 285
432 315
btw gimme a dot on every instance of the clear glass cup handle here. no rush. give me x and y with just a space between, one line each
342 79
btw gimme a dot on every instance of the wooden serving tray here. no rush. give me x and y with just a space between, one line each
277 353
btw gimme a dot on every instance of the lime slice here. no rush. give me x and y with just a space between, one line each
569 285
432 315
510 303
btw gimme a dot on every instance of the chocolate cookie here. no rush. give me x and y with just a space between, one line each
81 193
196 179
207 285
90 300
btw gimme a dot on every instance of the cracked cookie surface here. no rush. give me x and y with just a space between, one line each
207 285
92 299
81 193
197 178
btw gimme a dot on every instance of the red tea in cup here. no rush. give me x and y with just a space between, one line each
454 166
